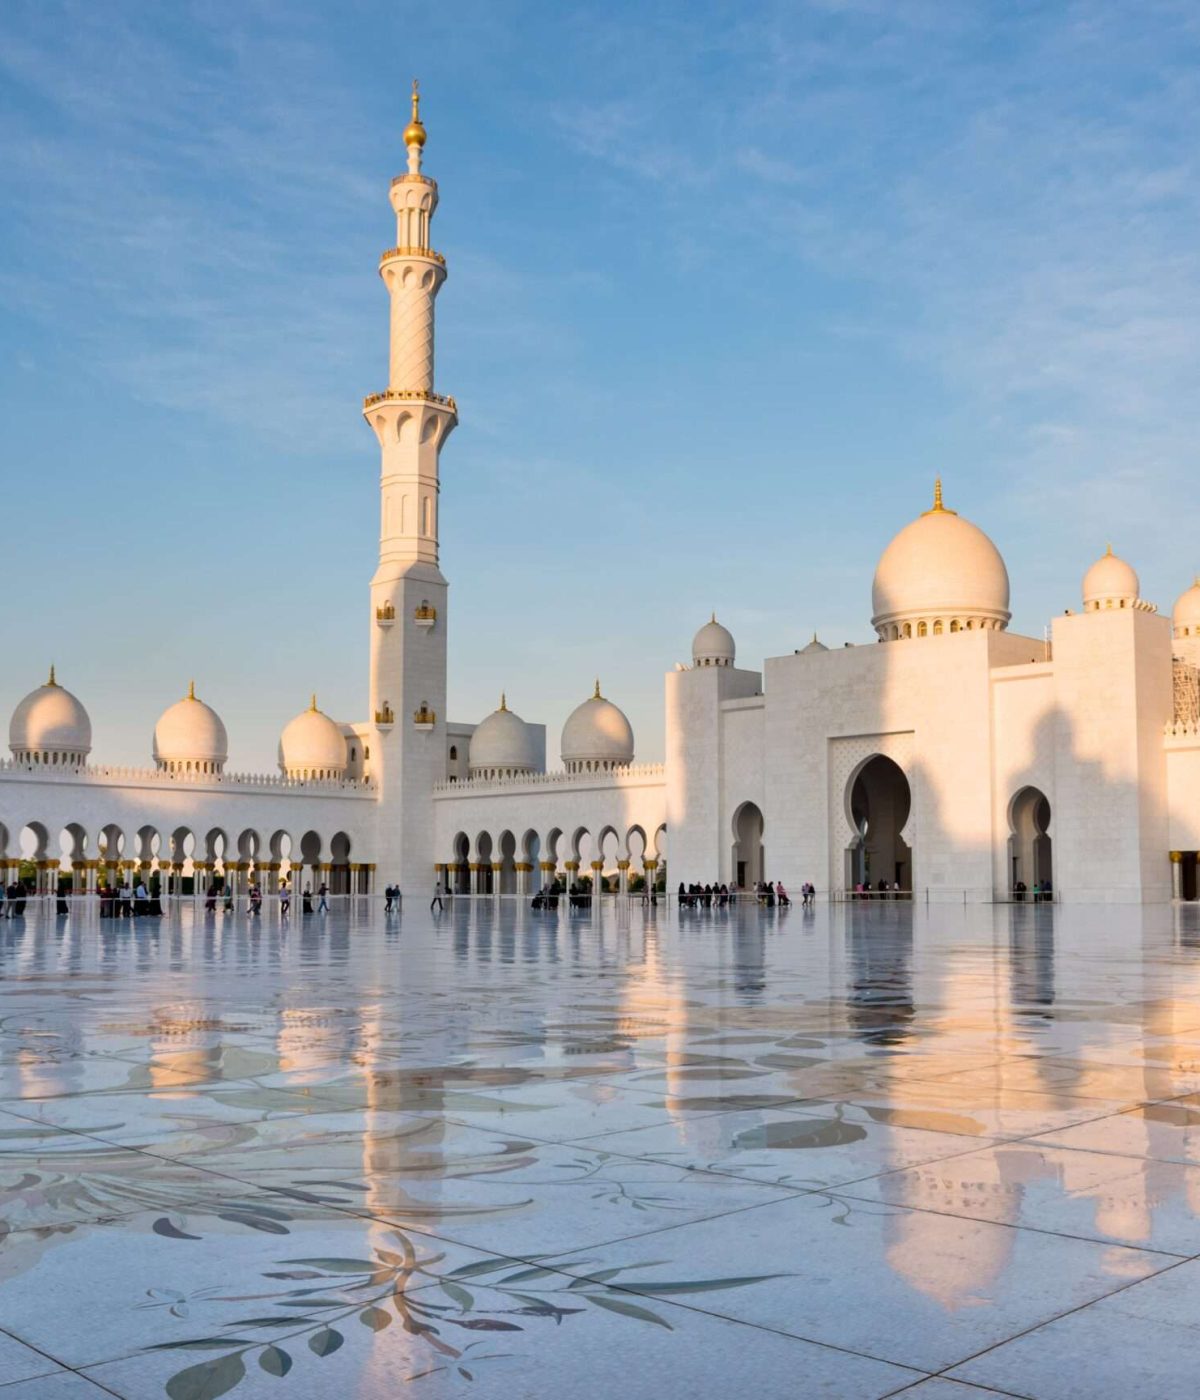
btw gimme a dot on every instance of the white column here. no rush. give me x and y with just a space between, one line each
1176 874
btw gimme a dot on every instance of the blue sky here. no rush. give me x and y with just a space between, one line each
729 284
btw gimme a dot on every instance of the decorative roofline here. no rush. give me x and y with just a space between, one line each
634 773
17 770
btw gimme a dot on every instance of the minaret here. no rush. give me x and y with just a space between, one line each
408 592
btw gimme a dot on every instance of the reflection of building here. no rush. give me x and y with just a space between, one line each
954 757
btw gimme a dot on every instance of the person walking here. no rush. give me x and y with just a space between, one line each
285 899
436 901
323 898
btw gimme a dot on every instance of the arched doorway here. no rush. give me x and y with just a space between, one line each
1030 860
747 845
879 801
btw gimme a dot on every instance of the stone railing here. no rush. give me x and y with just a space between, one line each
19 771
410 396
413 253
613 777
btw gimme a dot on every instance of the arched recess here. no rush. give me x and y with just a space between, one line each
1030 857
658 852
878 806
73 853
553 848
506 849
608 852
460 873
310 853
147 845
531 855
339 867
747 861
483 863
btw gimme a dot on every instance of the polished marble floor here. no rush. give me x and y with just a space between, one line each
857 1152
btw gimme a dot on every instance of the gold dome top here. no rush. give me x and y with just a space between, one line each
414 132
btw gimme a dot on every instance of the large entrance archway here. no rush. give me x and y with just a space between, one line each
879 801
1030 864
747 845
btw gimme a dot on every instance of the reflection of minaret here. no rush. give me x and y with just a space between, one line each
408 592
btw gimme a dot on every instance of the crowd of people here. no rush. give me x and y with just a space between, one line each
882 890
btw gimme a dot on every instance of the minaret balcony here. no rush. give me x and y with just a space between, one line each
412 253
426 615
410 396
385 717
386 615
424 718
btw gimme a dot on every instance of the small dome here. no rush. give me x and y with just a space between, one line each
939 574
1110 583
713 645
50 726
1186 615
189 737
813 646
596 737
502 745
312 746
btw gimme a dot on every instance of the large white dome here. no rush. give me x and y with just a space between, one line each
1110 583
502 745
312 746
190 737
596 737
939 574
1186 614
50 726
713 645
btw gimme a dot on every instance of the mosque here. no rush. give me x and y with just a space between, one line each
953 758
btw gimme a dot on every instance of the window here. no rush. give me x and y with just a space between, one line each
453 753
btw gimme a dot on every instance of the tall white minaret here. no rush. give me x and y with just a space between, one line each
408 592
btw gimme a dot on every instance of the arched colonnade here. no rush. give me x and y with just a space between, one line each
615 860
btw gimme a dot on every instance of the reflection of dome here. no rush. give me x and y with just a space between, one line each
312 746
189 737
1186 615
502 745
1110 583
813 646
939 574
596 737
50 726
713 645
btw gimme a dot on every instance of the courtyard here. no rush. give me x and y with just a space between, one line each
865 1150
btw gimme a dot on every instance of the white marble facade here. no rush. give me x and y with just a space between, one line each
951 759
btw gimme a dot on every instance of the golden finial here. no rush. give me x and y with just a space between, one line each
312 704
1108 550
414 132
51 680
503 701
814 636
938 507
713 618
191 695
596 693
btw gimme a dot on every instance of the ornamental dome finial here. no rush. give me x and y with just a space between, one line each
191 695
50 679
414 132
939 507
596 693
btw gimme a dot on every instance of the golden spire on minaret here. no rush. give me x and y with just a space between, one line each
414 132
